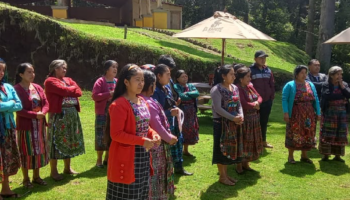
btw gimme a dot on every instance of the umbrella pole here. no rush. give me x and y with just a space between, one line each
223 52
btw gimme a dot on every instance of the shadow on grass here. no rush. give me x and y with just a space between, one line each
219 191
333 167
91 173
299 169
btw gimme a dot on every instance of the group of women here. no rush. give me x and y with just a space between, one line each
138 124
34 145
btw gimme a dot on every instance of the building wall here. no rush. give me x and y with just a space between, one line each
44 10
111 15
166 7
126 16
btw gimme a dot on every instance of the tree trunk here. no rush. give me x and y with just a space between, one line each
324 51
310 28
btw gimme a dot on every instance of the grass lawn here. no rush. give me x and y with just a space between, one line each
276 180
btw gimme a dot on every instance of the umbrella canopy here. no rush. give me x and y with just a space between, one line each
223 26
341 38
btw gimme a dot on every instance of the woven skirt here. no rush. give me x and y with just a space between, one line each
9 154
100 126
140 188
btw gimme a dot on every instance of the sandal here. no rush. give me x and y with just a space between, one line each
337 158
27 184
70 172
14 195
232 179
240 173
39 181
325 158
291 161
226 182
100 166
249 169
267 145
188 154
57 178
307 160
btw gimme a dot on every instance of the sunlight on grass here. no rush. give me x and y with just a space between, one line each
276 180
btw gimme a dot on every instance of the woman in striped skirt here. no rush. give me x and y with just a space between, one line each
334 125
102 93
251 130
31 125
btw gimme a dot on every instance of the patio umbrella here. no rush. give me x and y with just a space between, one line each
341 38
223 26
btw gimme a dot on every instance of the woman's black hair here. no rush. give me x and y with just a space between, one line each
150 80
178 74
298 69
108 64
241 73
4 79
238 66
127 72
167 60
224 70
21 68
160 69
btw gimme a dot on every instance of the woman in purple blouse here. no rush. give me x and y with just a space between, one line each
162 182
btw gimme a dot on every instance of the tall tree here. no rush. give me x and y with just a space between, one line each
310 28
324 51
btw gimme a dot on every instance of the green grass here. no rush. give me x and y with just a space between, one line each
283 56
276 180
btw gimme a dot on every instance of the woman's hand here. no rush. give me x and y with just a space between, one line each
148 144
238 120
341 84
286 117
257 105
40 115
157 139
178 102
174 112
319 118
173 140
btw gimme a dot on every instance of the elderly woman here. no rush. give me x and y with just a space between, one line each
335 95
251 130
300 106
188 94
102 94
65 134
227 118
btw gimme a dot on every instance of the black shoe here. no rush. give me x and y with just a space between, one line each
183 172
337 158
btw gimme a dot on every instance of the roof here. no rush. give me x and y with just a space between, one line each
114 3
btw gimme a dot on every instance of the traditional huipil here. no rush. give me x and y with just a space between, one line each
300 101
228 139
166 99
101 96
8 146
251 130
190 127
65 134
31 132
162 181
129 163
334 124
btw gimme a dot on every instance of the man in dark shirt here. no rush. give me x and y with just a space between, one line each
264 83
315 76
317 79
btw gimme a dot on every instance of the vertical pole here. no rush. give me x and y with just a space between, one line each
223 52
125 31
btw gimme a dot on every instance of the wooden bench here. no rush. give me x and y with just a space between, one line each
203 108
204 99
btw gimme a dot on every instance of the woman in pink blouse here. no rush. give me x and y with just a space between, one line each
162 182
102 94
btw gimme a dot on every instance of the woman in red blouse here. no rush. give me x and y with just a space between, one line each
65 134
252 136
31 125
